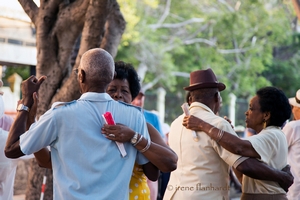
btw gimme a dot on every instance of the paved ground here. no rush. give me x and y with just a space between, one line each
233 195
22 197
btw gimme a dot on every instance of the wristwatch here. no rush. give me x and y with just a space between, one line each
134 138
22 107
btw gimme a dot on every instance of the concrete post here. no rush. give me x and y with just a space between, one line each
160 105
232 104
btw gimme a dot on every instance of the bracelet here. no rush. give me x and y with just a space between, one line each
139 140
220 135
146 147
210 130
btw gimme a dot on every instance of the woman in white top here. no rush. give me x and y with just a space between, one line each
267 112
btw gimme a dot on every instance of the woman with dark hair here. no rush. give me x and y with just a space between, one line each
125 73
125 87
268 110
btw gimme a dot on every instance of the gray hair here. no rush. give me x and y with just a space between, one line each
98 65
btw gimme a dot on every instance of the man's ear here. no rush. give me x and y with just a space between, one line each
216 97
190 100
82 76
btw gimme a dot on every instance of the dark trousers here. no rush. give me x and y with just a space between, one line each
162 184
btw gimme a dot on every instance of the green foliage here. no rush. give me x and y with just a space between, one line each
237 42
284 74
248 46
129 12
23 71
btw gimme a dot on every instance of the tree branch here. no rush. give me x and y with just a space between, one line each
200 40
141 71
46 51
227 5
31 9
177 25
172 45
201 29
151 84
73 15
296 4
237 57
95 19
114 29
74 12
181 74
45 22
166 13
228 51
94 25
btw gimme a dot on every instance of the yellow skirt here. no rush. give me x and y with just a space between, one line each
138 187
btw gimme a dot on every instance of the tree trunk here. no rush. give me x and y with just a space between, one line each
296 4
35 181
59 23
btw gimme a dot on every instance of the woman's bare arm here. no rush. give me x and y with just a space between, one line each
158 153
228 141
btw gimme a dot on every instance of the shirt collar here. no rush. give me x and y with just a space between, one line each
201 105
271 127
94 96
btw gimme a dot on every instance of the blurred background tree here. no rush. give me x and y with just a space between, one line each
248 44
242 41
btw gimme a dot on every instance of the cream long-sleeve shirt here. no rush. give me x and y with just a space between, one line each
203 166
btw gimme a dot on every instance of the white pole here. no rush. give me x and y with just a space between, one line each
161 95
232 108
43 187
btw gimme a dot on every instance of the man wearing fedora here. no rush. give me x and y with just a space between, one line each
203 165
292 132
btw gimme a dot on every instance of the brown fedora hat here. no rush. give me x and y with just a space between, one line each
204 79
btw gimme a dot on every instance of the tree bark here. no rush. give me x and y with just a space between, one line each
59 23
296 4
109 32
114 29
